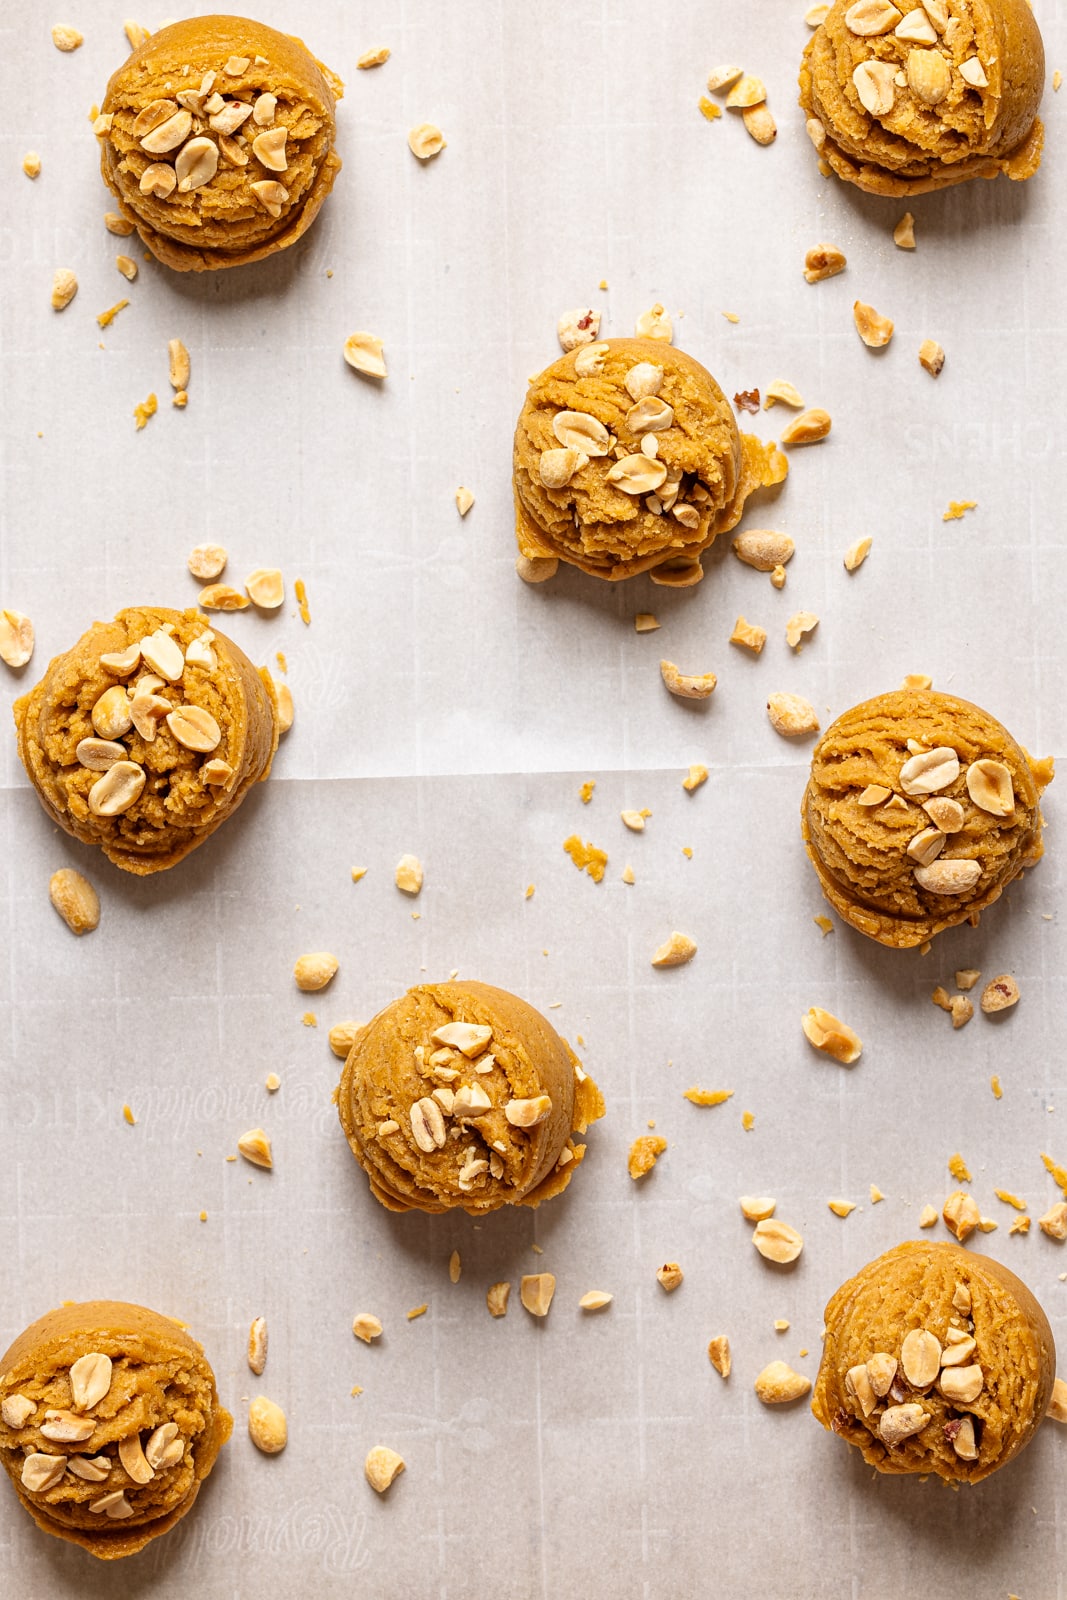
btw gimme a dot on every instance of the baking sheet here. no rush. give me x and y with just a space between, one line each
446 709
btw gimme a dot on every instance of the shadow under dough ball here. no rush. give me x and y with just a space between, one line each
919 811
462 1095
218 141
900 101
935 1360
586 492
147 735
109 1424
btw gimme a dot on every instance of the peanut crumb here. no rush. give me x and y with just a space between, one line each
927 1216
677 950
824 924
627 874
417 1311
749 635
645 622
273 1082
695 777
358 873
841 1208
455 1267
464 500
876 1194
781 1325
719 1354
904 232
529 893
31 164
129 1116
994 1084
857 553
669 1276
373 58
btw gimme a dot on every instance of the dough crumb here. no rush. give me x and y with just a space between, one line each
824 924
373 58
586 857
300 591
959 1169
1010 1199
719 1354
129 1116
358 873
695 777
455 1267
644 1153
956 509
585 793
106 318
748 1121
749 635
417 1311
142 412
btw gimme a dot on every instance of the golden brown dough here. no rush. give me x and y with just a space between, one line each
888 1397
187 792
478 1117
972 74
868 801
667 510
142 1419
193 150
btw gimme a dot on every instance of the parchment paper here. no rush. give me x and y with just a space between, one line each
444 708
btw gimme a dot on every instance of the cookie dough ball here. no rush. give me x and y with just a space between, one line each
919 811
901 101
935 1360
109 1424
628 459
147 735
462 1095
218 141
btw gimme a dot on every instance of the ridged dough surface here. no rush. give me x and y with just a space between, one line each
159 1375
223 223
912 1287
914 147
177 809
389 1069
860 852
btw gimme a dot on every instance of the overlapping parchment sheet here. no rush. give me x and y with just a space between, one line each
445 709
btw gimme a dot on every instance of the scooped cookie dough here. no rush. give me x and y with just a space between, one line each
919 811
462 1095
109 1424
628 459
935 1360
218 141
147 735
901 101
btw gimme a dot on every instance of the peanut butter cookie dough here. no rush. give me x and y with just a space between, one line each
628 459
147 735
901 101
218 141
462 1095
109 1424
919 811
935 1360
